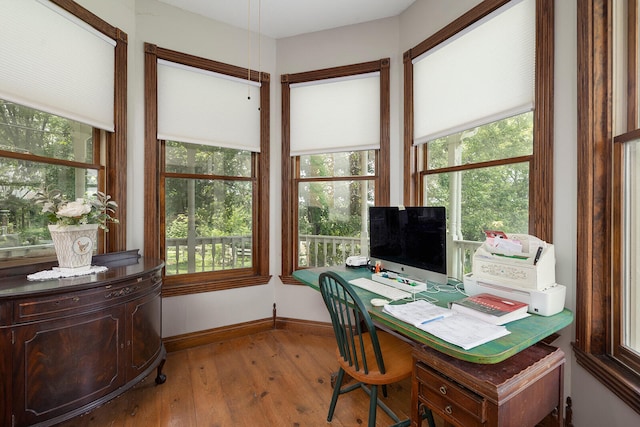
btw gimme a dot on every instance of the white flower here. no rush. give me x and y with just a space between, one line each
75 209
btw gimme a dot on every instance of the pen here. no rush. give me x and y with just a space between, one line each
535 260
432 320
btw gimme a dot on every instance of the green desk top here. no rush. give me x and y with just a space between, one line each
524 332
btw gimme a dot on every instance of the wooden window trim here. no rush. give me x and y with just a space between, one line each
541 173
598 258
114 173
116 146
154 208
290 165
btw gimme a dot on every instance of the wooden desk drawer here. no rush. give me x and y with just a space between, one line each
448 398
70 303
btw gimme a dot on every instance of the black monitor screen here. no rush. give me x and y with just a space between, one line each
413 236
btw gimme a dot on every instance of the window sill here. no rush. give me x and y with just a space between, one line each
290 280
176 288
623 382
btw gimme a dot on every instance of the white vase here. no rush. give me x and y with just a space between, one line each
74 245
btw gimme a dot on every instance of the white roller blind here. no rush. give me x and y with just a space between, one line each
203 107
484 74
54 62
335 115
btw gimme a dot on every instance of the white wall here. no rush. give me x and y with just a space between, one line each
343 46
151 21
155 22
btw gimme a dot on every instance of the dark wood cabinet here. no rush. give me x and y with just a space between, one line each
523 390
69 345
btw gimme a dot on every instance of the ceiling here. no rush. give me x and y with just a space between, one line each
285 18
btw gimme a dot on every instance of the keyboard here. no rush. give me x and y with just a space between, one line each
386 291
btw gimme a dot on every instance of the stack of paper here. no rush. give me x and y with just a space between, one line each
465 331
418 312
457 328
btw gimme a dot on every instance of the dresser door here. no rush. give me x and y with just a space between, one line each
60 365
144 331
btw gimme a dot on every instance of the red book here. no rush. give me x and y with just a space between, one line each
491 308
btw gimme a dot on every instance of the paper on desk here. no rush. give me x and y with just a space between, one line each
417 312
464 331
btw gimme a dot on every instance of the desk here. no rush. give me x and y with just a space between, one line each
524 332
511 381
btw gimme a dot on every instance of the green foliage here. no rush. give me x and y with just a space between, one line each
177 229
95 209
489 196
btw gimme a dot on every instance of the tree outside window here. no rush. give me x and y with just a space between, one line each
39 150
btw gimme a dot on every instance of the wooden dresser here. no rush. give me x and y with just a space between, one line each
70 345
523 390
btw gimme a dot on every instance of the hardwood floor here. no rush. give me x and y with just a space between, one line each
273 378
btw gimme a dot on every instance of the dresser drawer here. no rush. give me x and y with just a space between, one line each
71 303
449 399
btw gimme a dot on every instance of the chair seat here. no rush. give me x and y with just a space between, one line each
397 361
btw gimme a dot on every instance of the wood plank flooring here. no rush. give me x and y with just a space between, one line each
273 378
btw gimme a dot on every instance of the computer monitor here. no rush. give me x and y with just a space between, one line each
410 241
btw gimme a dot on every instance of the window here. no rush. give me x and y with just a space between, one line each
53 132
335 130
607 331
207 132
475 143
39 150
208 208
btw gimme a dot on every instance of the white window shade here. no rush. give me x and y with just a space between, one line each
203 107
335 115
54 62
484 74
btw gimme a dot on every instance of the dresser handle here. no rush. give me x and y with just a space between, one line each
443 389
448 409
121 292
76 299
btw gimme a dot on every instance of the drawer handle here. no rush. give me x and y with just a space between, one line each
448 409
443 389
76 299
121 292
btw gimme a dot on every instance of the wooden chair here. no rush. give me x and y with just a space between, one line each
370 356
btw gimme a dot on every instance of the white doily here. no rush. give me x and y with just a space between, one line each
57 273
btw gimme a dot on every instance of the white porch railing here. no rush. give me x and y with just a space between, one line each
208 254
460 257
27 251
325 251
224 253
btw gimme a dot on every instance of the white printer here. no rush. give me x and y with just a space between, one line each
525 272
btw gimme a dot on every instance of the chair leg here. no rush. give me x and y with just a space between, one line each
336 393
428 415
373 405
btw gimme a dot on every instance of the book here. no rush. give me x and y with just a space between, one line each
417 313
491 308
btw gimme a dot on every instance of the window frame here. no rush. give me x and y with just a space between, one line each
599 238
154 230
290 165
541 161
112 173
